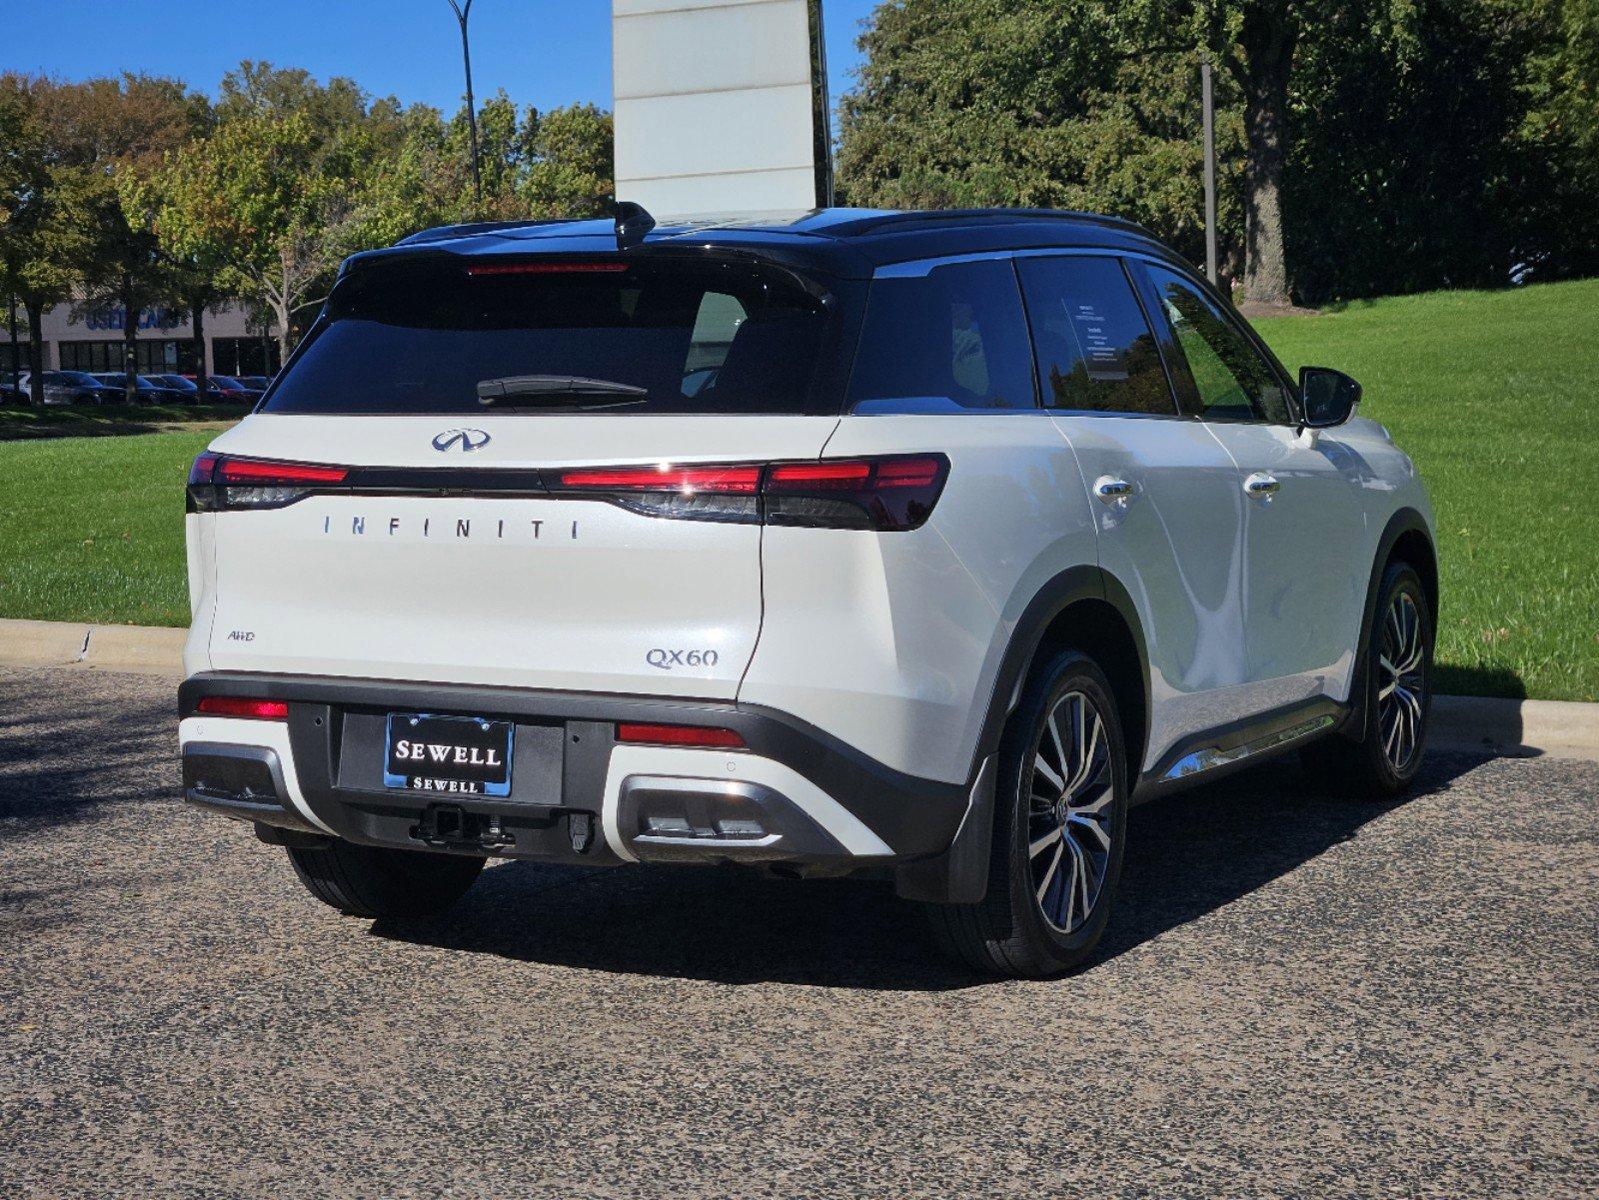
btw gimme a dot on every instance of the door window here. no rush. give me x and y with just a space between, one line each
952 339
1231 381
1095 349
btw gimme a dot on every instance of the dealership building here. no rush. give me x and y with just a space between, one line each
80 338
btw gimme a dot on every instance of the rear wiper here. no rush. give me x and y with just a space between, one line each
561 391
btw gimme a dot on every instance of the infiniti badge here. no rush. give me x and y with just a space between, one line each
466 440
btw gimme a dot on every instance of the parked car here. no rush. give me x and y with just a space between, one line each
181 385
1005 521
227 389
70 387
145 390
11 392
256 383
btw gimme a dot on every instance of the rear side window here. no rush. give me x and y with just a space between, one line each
950 340
1232 382
1095 349
678 338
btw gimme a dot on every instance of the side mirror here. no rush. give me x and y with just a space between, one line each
1326 397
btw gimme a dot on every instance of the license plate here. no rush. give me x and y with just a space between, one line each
460 755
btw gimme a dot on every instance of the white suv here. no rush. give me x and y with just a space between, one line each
912 543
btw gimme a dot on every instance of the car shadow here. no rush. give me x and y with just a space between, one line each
1188 855
62 764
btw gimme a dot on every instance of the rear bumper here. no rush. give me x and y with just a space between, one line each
795 795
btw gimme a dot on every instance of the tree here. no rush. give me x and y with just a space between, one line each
271 199
992 102
1364 148
570 162
109 134
40 236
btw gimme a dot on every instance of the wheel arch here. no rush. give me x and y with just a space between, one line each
1083 608
1406 538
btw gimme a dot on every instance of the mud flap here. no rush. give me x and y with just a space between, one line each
960 874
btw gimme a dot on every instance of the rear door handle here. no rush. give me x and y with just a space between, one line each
1112 490
1262 484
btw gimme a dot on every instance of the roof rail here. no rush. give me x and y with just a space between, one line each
441 233
935 217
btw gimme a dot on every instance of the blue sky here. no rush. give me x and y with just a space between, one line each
543 52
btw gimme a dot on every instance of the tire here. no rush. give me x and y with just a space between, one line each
369 881
1380 760
1021 929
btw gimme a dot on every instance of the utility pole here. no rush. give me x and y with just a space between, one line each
461 14
1210 174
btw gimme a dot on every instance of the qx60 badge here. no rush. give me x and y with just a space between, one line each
465 440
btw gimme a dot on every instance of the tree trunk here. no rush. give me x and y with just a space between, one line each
197 307
16 346
130 348
35 311
1267 38
280 313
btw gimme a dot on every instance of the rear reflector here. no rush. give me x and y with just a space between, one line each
239 706
679 735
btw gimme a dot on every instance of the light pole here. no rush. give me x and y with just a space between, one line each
1210 173
462 12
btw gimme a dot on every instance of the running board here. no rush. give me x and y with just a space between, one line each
1218 752
1212 757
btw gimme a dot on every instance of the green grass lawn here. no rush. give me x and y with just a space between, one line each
1496 397
91 528
1495 394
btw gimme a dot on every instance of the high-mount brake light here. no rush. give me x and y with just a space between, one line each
217 482
241 706
546 268
678 735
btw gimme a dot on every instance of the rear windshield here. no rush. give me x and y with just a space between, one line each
421 338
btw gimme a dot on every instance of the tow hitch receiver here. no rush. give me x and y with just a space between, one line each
451 825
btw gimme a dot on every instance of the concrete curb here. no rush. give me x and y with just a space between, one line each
1464 723
141 649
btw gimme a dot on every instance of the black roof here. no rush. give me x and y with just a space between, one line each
849 242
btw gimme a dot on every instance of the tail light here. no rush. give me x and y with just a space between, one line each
887 494
217 482
714 493
868 493
894 493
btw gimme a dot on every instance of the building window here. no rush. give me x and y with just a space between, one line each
91 356
244 356
152 356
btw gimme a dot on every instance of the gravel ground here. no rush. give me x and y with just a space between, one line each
1299 996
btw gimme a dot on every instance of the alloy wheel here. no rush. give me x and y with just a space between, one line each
1070 791
1402 683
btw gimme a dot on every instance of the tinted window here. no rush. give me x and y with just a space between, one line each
1095 349
419 337
954 338
1231 379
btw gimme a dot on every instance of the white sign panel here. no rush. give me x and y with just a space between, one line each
714 105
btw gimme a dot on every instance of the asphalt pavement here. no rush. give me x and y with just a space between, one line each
1299 995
